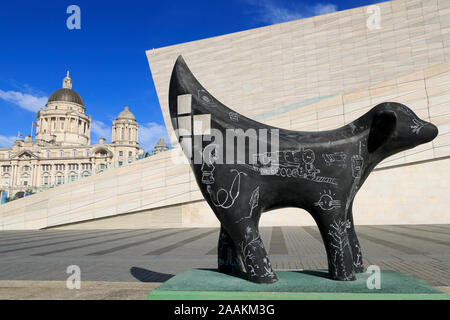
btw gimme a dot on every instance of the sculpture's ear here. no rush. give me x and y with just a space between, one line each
383 125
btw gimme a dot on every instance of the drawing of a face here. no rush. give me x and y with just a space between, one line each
308 156
326 201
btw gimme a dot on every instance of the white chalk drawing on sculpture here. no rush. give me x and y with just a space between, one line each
416 126
226 198
357 261
337 159
254 200
205 96
233 116
248 248
290 164
339 242
357 163
357 166
327 202
208 164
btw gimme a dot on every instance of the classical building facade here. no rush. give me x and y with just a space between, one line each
62 151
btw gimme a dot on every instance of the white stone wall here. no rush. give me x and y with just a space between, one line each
260 70
274 75
145 184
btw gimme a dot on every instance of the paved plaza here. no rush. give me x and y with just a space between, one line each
155 255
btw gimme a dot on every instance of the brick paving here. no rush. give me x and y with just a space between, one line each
155 255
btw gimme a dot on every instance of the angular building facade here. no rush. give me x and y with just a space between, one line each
310 74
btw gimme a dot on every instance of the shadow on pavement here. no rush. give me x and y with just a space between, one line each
145 275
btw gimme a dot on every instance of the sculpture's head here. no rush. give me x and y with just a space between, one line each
395 128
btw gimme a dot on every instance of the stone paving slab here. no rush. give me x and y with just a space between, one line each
155 255
89 290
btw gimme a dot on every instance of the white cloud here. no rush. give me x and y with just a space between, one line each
100 130
6 142
150 133
271 12
26 101
324 8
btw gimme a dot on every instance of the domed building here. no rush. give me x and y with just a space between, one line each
160 146
61 151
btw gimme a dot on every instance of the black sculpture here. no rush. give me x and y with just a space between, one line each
320 172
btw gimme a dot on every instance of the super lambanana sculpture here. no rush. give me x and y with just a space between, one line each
244 168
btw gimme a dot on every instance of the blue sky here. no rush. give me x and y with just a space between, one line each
106 57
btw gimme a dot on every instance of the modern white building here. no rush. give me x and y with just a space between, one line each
311 74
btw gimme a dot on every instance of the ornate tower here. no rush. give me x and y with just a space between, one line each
64 119
160 146
125 129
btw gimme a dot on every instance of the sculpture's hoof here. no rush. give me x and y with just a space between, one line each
351 277
266 280
359 269
229 269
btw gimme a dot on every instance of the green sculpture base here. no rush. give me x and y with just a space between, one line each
200 284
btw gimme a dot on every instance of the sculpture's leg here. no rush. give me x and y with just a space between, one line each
358 265
228 260
339 253
254 256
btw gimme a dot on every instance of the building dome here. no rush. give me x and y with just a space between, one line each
161 143
160 146
126 115
66 94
